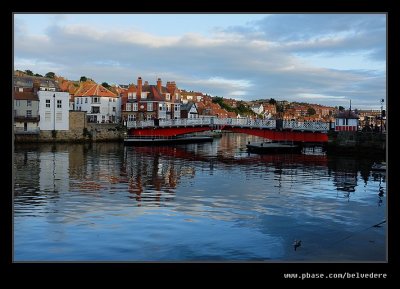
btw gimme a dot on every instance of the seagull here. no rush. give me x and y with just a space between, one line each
296 244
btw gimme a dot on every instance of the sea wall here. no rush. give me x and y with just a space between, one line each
79 131
356 142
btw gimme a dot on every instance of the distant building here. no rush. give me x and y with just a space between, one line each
346 121
189 110
257 108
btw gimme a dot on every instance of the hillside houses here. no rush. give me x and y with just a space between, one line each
42 103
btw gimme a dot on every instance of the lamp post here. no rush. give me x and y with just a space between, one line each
382 101
54 111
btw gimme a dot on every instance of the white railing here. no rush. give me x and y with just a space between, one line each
306 125
244 122
241 122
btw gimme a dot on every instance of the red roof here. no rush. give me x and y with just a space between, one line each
25 96
93 89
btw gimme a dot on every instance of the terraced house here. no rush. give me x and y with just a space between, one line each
26 107
147 102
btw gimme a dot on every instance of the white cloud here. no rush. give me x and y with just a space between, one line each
252 63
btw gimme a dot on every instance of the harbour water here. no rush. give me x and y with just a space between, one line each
196 202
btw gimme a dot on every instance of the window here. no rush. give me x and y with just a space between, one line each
347 121
129 107
343 122
47 102
59 102
96 99
17 103
176 107
85 99
47 116
109 99
167 97
29 103
20 89
58 117
77 101
144 95
113 99
150 106
131 117
135 107
131 95
95 109
114 109
160 107
29 113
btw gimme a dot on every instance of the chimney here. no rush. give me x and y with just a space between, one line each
159 84
171 86
139 88
146 83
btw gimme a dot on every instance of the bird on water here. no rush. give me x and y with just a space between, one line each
296 244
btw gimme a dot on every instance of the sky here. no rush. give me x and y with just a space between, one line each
327 59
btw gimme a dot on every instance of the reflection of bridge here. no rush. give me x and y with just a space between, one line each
280 130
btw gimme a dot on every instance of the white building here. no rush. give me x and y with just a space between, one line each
101 105
257 108
53 110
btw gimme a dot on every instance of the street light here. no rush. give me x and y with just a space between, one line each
382 101
54 111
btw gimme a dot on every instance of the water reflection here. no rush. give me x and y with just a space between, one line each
235 205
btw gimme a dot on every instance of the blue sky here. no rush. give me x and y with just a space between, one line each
317 58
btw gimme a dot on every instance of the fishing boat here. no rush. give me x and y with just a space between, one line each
273 147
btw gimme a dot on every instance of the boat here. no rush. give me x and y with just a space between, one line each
273 147
379 166
215 133
157 140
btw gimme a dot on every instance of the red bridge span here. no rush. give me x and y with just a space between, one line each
302 132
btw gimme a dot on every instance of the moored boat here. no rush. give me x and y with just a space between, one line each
273 147
157 140
379 166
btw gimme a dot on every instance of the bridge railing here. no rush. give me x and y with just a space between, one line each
242 122
306 125
184 122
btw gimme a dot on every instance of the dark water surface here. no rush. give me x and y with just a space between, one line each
197 202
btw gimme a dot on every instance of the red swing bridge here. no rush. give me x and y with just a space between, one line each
276 130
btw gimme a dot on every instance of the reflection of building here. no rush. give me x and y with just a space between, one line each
345 174
54 173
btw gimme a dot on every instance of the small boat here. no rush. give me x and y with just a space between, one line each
273 147
379 166
156 140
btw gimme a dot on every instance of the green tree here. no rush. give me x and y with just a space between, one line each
83 79
38 75
105 84
341 108
311 111
272 101
50 74
29 72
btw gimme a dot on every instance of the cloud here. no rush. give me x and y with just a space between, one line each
252 62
